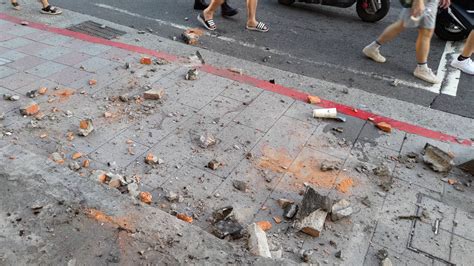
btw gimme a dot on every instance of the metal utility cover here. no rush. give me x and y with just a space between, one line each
98 30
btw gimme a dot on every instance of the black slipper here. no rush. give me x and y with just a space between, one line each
208 24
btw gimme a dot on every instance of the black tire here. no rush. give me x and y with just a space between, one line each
286 2
447 29
370 16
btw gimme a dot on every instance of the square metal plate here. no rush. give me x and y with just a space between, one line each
98 30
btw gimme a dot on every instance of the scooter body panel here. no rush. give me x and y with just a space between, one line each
336 3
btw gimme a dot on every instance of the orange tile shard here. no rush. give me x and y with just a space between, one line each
145 197
313 99
145 60
30 109
384 127
264 225
184 217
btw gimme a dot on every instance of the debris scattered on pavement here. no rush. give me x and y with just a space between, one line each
92 82
468 167
313 224
313 201
329 166
30 109
56 157
213 164
265 225
191 36
341 209
9 97
184 217
437 159
85 127
206 140
290 211
240 185
145 197
32 94
192 74
236 71
151 159
42 90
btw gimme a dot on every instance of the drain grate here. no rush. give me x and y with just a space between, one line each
98 30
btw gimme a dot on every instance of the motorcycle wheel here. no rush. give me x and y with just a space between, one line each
366 14
286 2
447 29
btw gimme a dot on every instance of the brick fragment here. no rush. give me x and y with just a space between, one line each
277 219
313 99
145 197
191 36
145 60
384 127
265 225
76 155
86 163
184 217
42 90
214 164
85 127
30 109
92 82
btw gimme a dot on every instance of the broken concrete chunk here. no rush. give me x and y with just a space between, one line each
191 36
290 211
214 164
386 262
133 190
228 227
172 197
258 244
313 224
284 203
240 185
12 98
56 157
468 167
329 166
151 159
437 159
85 127
154 94
313 201
265 225
115 183
382 170
74 166
341 209
222 213
30 109
42 90
192 74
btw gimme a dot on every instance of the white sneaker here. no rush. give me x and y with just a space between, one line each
426 74
373 53
466 66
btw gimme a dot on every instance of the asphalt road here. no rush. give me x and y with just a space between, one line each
313 40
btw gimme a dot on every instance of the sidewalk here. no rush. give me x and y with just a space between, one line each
266 140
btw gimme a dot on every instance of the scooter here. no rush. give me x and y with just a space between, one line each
368 10
456 22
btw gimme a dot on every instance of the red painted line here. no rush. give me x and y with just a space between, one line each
262 84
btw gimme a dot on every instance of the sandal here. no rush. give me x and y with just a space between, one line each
208 24
261 27
16 5
51 10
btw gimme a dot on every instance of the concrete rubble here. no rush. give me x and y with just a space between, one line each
258 244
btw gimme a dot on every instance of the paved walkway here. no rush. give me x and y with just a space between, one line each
268 140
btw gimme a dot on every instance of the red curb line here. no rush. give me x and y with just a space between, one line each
262 84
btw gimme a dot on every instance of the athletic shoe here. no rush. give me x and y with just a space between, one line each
466 66
373 53
425 73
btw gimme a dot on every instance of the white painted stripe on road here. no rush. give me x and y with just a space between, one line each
449 75
281 53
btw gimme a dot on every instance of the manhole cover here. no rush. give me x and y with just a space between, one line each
98 30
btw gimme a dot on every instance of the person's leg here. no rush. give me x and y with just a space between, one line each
15 4
208 13
227 10
391 32
423 43
252 23
200 4
45 3
464 62
49 9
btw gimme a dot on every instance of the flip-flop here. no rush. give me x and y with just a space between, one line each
261 27
208 24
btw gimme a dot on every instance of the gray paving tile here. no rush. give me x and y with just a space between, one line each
17 80
46 69
34 48
12 55
264 111
241 92
408 258
56 40
462 252
304 112
6 71
71 58
15 43
22 31
26 63
437 245
464 224
420 175
373 135
69 75
52 53
94 49
94 64
438 211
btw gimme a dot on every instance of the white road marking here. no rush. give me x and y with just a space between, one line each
436 89
448 74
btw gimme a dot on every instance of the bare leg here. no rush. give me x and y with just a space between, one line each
252 13
211 9
423 43
45 3
469 46
391 32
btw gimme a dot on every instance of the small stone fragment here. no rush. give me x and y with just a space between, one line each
184 217
115 183
74 166
145 197
285 202
386 127
192 74
42 90
56 157
172 197
290 211
222 213
25 23
258 244
313 224
340 210
191 36
86 163
76 155
32 94
240 185
329 166
207 140
107 114
313 201
151 159
277 219
85 127
228 227
214 164
92 82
